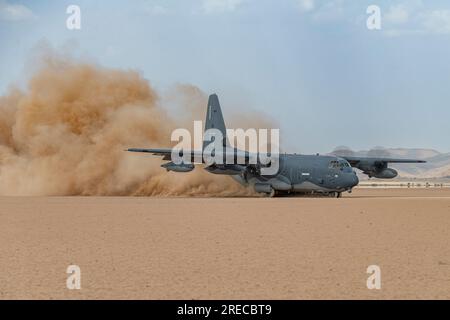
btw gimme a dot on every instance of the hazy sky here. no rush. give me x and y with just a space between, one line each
313 66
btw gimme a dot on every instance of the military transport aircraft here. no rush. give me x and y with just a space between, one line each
326 175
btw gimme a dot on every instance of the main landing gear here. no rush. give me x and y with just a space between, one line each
271 194
335 194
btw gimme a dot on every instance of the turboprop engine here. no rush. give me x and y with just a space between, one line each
387 173
170 166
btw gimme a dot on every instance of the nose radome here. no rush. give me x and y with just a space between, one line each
355 180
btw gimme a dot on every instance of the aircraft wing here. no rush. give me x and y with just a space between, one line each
378 167
196 156
354 161
166 153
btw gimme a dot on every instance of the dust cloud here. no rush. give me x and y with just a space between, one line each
65 134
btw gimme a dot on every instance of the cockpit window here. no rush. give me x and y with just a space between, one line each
335 164
344 164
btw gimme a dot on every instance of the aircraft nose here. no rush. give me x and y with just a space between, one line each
354 180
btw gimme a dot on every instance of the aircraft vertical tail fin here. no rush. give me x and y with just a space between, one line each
214 119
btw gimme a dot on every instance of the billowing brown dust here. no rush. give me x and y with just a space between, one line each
66 135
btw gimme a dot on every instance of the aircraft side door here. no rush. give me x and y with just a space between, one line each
305 172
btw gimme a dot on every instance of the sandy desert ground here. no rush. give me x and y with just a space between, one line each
227 248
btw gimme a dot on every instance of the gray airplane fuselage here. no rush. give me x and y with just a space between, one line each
305 174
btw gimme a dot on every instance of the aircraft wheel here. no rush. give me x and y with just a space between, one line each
339 195
271 194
